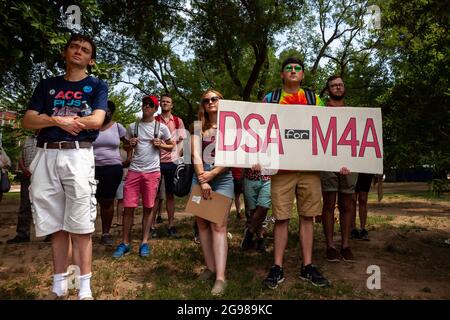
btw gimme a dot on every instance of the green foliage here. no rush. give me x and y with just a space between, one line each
415 108
437 187
10 138
125 112
108 71
237 47
31 39
235 37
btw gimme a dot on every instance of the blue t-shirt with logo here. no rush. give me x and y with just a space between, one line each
59 97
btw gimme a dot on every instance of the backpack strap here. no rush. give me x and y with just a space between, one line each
175 119
156 132
276 96
136 129
177 122
310 97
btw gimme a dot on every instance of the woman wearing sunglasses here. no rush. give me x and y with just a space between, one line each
213 237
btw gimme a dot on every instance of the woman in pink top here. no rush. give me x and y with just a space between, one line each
213 236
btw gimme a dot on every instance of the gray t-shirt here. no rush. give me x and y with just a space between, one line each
146 156
106 146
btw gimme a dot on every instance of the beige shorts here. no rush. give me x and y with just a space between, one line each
62 191
336 182
305 186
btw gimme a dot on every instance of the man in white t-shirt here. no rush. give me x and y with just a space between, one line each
146 138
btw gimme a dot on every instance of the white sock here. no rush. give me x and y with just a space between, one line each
85 286
60 284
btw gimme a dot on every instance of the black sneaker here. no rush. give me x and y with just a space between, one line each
333 255
347 255
247 242
311 274
154 233
196 238
172 232
261 245
275 277
18 239
355 235
107 239
159 219
364 235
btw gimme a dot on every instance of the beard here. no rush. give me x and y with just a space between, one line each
336 97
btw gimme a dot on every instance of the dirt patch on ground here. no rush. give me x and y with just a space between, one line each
414 263
398 187
410 243
410 208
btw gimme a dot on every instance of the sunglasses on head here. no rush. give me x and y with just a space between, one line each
209 100
289 68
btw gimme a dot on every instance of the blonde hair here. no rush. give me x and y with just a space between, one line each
202 114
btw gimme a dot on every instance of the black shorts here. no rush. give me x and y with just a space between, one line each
238 186
168 172
109 178
364 182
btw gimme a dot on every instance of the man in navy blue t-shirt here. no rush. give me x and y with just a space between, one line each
69 110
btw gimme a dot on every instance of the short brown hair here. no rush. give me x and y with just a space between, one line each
166 95
327 85
82 37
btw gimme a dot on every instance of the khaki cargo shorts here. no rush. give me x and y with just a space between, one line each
304 186
336 182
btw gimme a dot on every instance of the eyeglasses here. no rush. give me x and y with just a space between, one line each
212 99
289 68
149 105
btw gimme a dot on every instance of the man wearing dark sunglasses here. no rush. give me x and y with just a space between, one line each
146 138
288 185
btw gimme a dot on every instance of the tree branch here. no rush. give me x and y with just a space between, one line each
178 90
134 85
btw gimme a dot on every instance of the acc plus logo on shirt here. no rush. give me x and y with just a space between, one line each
68 103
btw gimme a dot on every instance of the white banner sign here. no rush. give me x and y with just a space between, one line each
295 137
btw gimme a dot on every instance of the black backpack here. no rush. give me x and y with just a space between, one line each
182 180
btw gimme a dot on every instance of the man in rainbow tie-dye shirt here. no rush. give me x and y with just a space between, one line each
288 185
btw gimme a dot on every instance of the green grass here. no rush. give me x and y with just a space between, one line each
172 269
405 196
170 273
25 289
379 221
11 197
